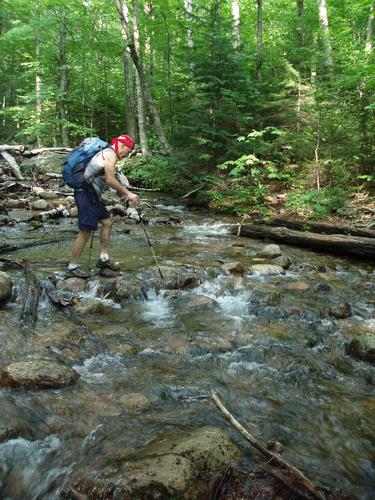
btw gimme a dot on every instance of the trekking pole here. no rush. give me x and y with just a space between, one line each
150 244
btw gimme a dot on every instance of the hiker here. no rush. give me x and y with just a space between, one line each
100 171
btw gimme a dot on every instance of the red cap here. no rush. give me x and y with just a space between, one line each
125 139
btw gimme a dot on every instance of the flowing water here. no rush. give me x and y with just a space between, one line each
273 352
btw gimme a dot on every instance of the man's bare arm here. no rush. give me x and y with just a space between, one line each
110 178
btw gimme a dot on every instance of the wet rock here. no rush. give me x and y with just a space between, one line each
270 251
323 287
73 212
39 205
363 347
233 267
108 273
12 203
178 467
135 402
239 244
74 285
92 306
341 310
5 286
283 261
304 267
37 374
198 301
37 190
48 195
266 269
301 286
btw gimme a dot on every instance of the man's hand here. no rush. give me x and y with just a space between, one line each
133 198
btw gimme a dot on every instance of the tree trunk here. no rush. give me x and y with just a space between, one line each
324 26
354 246
142 122
131 126
38 86
63 79
259 41
236 16
153 111
370 28
299 29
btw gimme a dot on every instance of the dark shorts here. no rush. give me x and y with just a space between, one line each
90 210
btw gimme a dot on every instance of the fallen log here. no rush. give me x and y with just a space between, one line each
54 213
29 310
11 247
13 165
20 148
353 246
23 263
317 227
300 482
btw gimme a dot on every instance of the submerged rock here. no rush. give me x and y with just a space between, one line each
233 267
37 374
178 467
341 310
363 347
74 285
5 286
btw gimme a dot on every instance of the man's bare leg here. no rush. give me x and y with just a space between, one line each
79 245
105 234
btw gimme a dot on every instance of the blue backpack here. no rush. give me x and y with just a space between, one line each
75 166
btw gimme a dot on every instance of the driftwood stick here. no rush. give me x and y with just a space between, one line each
302 480
8 147
13 165
193 191
289 483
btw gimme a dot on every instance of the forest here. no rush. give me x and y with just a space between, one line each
253 105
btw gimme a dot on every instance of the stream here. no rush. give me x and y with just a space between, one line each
271 350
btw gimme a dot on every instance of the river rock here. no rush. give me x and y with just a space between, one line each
266 269
37 374
74 285
92 305
73 212
178 467
37 190
363 347
39 205
5 286
13 203
283 261
303 267
48 195
198 301
233 268
341 310
135 402
270 251
301 286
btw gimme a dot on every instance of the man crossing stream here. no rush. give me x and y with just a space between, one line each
98 172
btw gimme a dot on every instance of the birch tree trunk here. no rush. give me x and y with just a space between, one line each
236 16
259 41
63 80
324 26
370 29
142 122
153 111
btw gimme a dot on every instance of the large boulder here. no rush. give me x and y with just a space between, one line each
44 162
37 374
178 467
271 250
5 287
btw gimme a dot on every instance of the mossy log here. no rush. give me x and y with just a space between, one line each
317 227
354 246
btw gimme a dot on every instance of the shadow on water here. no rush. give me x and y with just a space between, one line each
270 348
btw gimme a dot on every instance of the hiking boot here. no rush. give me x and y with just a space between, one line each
76 273
108 264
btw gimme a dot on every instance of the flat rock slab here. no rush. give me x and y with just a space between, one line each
37 374
266 269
